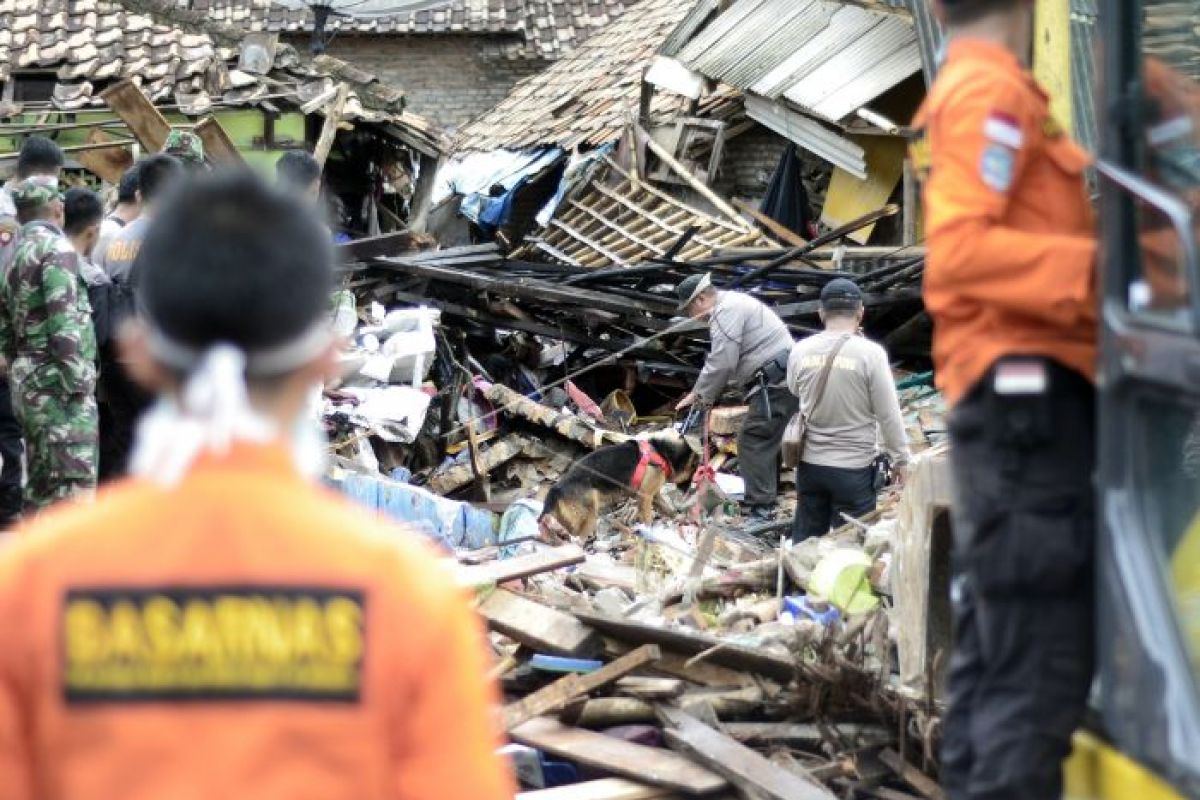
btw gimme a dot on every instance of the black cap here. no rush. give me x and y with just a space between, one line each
841 293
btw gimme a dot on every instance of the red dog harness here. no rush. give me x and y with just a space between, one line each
649 456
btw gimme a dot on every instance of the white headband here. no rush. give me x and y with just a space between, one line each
264 362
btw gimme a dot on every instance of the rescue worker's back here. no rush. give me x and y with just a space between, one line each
186 587
220 626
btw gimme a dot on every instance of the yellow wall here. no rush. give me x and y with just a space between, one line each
1052 56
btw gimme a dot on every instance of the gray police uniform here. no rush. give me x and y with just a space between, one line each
750 348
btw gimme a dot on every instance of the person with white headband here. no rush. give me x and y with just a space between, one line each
218 625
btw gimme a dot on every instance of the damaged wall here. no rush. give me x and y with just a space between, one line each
448 78
749 160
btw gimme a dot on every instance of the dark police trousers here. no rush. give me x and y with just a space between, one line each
759 442
824 493
1024 522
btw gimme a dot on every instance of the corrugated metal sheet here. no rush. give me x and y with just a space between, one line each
1083 71
825 56
696 19
809 134
865 68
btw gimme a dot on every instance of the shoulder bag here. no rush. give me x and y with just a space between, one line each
797 428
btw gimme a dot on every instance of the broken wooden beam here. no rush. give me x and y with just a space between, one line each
457 475
537 626
333 117
925 786
748 771
557 694
218 147
612 755
511 569
728 654
602 789
145 121
572 426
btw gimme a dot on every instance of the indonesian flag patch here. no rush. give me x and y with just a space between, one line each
1004 129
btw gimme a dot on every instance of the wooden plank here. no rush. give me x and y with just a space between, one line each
780 232
534 625
728 654
918 780
603 789
556 695
511 569
700 187
138 113
675 665
333 116
625 759
748 771
805 734
218 147
109 163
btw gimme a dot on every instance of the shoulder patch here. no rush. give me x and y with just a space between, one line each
996 167
1004 129
212 644
6 237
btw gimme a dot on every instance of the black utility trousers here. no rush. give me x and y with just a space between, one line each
824 493
759 443
1024 521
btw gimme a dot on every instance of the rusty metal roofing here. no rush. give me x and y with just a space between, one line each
827 57
586 97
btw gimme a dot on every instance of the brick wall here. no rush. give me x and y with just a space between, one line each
750 159
448 78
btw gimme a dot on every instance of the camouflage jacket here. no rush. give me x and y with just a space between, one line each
9 228
46 326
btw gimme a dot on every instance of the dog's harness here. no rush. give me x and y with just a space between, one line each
649 456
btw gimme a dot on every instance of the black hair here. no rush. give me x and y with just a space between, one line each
128 187
81 208
230 259
962 12
39 156
297 169
157 174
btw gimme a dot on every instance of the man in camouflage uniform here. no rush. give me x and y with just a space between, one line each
46 335
39 156
187 147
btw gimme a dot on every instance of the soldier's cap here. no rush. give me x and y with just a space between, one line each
690 288
184 145
36 191
841 293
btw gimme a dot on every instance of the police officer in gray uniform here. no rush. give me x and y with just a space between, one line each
750 348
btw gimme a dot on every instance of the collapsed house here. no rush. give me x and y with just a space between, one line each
67 72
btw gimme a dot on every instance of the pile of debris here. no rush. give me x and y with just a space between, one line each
764 669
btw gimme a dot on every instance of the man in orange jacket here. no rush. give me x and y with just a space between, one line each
219 626
1010 283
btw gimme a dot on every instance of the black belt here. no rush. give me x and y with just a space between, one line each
771 373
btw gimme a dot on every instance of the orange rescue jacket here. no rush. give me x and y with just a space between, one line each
244 634
1010 233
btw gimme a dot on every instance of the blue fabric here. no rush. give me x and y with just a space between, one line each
450 522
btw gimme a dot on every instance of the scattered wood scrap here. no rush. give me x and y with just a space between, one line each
534 625
617 757
512 569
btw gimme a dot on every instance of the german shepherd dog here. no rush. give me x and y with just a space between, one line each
639 467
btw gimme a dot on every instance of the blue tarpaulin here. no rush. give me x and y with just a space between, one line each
475 175
455 524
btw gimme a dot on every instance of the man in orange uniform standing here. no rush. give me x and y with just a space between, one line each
1010 284
218 625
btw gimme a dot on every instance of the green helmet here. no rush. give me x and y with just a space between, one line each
184 145
36 191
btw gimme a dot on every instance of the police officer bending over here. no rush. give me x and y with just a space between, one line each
750 347
1010 283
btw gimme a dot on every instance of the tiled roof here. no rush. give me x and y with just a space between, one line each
587 96
546 28
87 45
